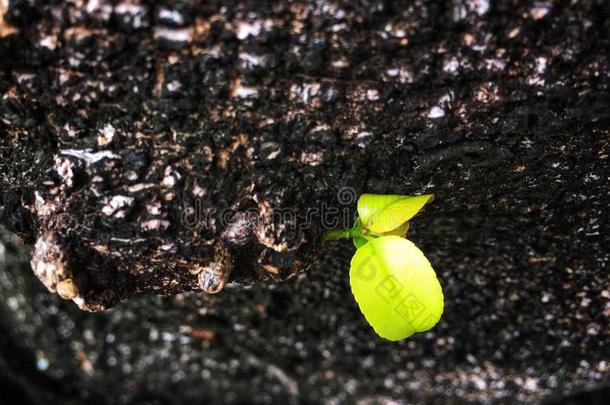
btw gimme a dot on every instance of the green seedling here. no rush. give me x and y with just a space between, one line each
392 281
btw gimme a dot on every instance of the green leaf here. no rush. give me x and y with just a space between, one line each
395 287
358 241
382 213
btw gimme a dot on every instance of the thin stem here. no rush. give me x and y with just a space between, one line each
337 234
364 233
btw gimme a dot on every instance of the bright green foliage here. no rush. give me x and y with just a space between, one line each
358 240
395 287
381 213
391 279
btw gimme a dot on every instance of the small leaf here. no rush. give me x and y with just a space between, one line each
395 287
382 213
358 241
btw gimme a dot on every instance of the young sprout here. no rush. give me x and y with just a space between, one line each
391 279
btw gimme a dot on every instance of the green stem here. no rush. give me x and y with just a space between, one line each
337 234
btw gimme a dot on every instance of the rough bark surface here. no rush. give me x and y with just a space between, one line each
151 149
